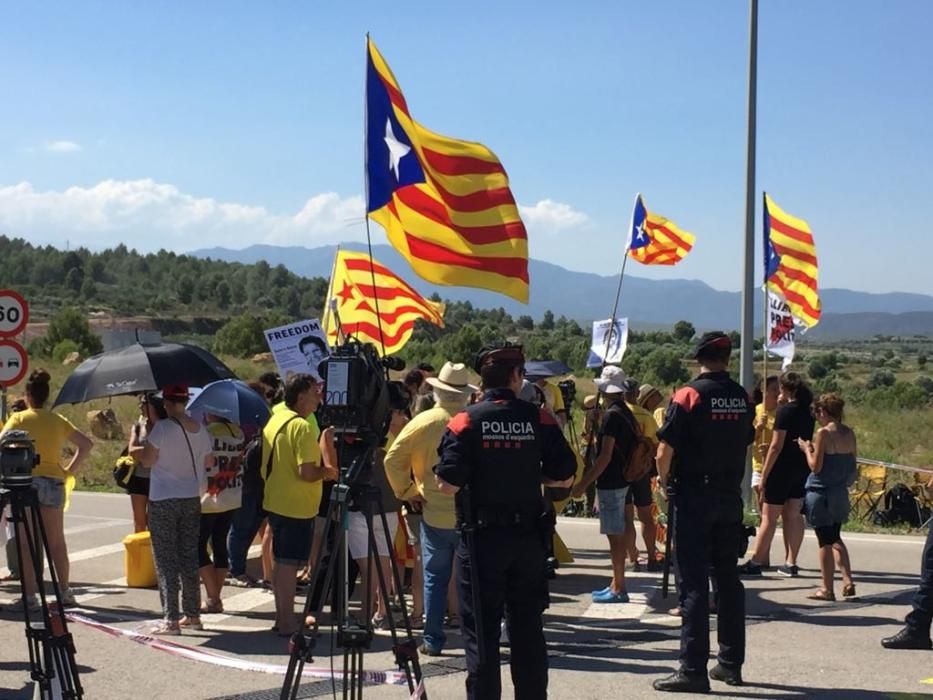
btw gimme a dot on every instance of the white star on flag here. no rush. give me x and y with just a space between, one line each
397 149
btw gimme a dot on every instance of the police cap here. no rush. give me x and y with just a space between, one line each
501 354
712 342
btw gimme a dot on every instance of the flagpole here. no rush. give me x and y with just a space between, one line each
615 305
369 240
748 287
330 291
766 316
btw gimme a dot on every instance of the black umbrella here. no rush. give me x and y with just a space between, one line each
139 368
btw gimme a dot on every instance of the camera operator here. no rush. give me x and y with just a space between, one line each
707 429
494 455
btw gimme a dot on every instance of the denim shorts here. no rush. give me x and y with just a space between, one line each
291 539
611 510
49 491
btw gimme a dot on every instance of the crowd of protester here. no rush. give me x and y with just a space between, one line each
205 490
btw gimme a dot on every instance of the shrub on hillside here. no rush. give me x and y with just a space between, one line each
880 378
242 336
71 324
64 349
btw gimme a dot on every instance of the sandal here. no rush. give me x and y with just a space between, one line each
820 594
191 623
848 591
241 581
212 606
166 629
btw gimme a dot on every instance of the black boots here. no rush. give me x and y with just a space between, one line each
680 682
724 674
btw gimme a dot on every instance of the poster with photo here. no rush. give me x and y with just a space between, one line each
609 342
298 347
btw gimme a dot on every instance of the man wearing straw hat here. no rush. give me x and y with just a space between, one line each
408 466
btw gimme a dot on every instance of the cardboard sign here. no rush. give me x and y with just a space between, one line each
298 348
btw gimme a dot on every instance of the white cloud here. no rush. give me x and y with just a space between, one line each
550 216
148 215
62 146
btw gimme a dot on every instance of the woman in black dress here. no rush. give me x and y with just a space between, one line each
784 476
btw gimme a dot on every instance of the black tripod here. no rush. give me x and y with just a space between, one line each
352 634
51 646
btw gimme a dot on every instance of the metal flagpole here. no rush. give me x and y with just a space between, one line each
369 240
328 300
766 316
615 305
748 286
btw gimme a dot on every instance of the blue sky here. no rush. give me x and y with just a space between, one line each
184 125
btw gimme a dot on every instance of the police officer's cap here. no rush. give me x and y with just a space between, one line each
712 342
499 354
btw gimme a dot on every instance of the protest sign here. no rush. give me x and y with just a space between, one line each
609 342
298 347
781 331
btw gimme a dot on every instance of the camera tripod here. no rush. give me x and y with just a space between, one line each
51 646
352 634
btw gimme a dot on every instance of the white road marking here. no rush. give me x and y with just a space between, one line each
103 524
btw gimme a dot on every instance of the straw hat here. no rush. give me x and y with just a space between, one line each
453 377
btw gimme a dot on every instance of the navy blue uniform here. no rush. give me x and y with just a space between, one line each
500 450
709 425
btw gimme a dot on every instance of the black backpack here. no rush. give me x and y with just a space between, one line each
900 506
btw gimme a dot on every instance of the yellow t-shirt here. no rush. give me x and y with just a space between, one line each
763 436
49 431
286 493
659 413
648 427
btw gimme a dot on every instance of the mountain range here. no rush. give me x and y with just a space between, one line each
647 303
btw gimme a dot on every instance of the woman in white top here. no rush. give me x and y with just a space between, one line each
179 451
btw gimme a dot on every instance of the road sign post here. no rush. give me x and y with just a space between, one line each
14 315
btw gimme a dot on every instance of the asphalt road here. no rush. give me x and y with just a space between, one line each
796 648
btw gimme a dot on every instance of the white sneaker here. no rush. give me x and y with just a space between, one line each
68 598
33 602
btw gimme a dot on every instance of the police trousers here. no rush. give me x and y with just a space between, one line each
510 568
707 532
920 618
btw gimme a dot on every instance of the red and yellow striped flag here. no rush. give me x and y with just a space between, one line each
352 288
656 240
791 268
445 204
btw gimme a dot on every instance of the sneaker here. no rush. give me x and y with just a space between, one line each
68 598
680 682
33 602
611 597
905 639
729 676
428 651
788 571
655 565
750 568
168 629
601 591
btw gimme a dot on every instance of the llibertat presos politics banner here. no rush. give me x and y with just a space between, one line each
781 329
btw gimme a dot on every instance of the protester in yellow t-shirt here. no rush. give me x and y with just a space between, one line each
292 494
639 497
49 431
764 428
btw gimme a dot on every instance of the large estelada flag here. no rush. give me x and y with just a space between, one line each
791 268
445 204
358 286
655 240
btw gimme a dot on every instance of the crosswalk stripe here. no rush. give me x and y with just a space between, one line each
90 527
95 552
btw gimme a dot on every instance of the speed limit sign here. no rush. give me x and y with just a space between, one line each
13 363
14 313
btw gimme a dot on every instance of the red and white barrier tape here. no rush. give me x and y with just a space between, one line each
212 657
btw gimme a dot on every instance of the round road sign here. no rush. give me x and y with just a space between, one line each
14 313
13 362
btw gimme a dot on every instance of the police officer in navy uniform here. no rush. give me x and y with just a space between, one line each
495 455
706 433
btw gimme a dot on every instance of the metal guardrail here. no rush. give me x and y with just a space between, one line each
891 465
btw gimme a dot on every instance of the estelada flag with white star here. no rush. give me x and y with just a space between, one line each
358 287
445 204
655 240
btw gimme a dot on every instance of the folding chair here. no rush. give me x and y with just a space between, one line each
869 488
924 494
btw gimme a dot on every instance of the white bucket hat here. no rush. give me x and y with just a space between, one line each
611 381
453 377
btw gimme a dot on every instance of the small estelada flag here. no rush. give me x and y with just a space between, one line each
358 287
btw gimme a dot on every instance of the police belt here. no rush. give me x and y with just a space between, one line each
506 517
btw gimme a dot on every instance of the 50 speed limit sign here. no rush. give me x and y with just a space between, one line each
14 313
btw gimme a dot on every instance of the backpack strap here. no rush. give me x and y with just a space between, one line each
272 446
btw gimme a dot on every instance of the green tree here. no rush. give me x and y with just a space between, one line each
74 279
547 323
222 294
71 324
684 331
921 360
525 322
242 336
185 289
88 289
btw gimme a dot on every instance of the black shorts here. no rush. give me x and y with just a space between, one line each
138 486
639 493
830 534
779 489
